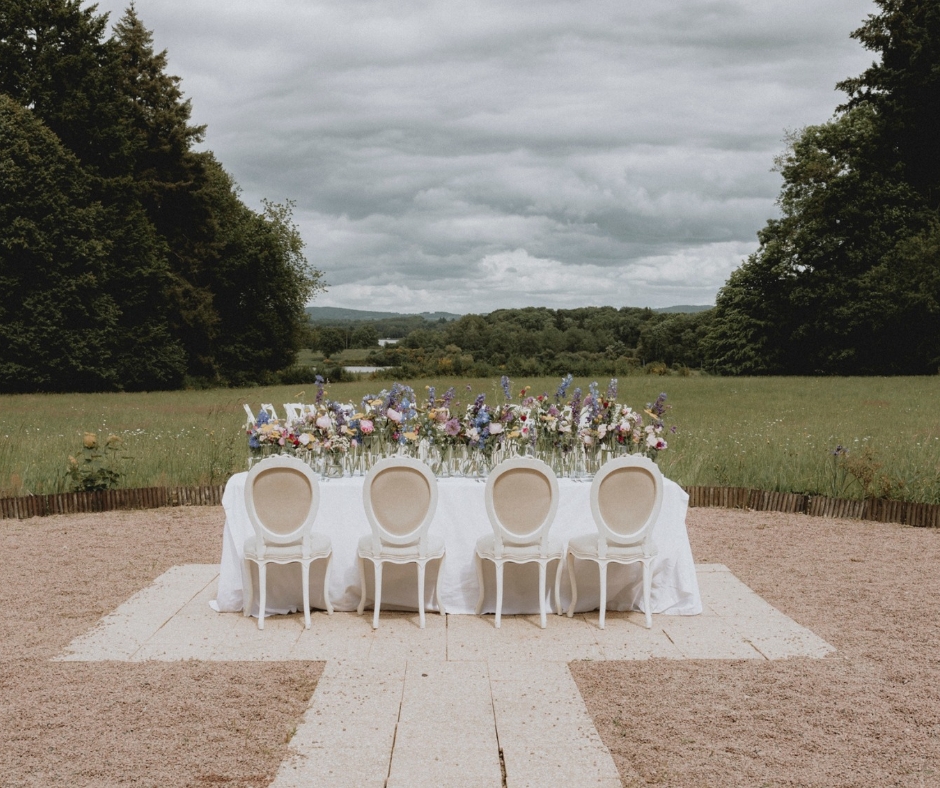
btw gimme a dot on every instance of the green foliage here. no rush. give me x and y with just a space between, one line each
95 467
128 259
542 341
847 280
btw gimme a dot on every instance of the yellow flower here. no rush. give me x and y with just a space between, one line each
412 436
90 440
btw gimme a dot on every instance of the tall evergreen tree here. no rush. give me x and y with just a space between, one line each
81 306
170 274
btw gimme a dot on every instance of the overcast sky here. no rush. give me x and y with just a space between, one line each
486 154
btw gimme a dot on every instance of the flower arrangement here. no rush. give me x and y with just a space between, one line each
575 435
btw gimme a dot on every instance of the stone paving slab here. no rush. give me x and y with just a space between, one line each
545 732
446 731
348 732
121 633
402 706
171 620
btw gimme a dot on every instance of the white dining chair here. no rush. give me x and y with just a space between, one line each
521 501
626 498
270 409
282 496
400 499
293 411
251 416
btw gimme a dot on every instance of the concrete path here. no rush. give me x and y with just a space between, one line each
459 703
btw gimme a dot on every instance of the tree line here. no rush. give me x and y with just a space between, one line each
127 259
534 341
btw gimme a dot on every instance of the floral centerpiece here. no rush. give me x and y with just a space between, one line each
575 434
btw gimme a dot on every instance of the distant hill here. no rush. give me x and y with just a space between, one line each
690 308
333 314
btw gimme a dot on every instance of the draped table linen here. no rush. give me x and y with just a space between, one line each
461 520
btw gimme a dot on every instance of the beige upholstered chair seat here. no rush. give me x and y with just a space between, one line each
282 497
486 548
626 497
435 548
521 500
400 497
585 546
319 548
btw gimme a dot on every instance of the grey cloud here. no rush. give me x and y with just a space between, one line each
538 152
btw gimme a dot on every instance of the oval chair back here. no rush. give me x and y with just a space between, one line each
626 497
282 496
400 499
521 502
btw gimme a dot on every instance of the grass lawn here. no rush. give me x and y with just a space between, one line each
767 433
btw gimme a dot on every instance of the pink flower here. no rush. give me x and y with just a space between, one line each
393 415
323 422
366 426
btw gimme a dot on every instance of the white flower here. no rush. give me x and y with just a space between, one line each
323 422
495 428
304 438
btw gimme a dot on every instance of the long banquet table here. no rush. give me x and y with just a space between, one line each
461 519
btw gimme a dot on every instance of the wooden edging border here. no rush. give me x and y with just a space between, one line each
925 515
109 500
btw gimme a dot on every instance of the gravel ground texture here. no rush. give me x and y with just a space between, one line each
868 715
118 723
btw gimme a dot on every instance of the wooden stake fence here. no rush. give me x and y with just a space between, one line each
925 515
109 500
917 514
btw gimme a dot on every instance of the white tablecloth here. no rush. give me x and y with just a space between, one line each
461 519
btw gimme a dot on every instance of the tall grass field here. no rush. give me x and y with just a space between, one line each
780 434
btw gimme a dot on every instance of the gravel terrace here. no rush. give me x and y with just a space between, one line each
868 715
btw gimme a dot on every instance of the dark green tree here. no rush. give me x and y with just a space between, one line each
185 277
71 319
845 281
903 88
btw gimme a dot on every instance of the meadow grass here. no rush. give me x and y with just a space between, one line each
765 433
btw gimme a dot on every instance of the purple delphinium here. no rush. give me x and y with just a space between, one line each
432 396
595 400
576 406
507 390
612 389
563 388
448 397
319 382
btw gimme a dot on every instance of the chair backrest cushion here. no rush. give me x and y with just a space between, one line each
282 499
522 498
626 498
400 499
